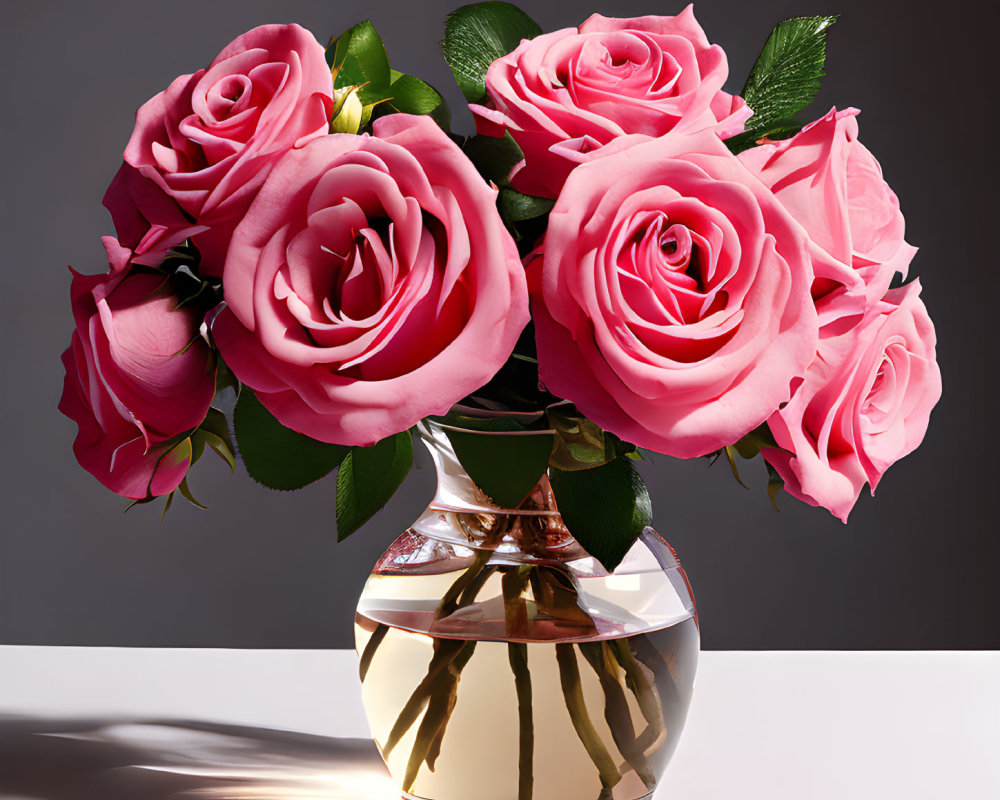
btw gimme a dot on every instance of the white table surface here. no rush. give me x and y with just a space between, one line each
768 725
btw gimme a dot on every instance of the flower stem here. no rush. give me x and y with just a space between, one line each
647 655
645 693
373 644
451 600
569 677
449 659
515 607
441 702
616 710
517 654
445 652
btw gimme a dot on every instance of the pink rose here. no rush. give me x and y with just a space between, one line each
371 283
834 187
672 300
864 403
562 95
138 375
210 139
147 220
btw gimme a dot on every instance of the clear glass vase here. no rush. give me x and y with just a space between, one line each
500 662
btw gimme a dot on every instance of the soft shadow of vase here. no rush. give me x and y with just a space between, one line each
499 661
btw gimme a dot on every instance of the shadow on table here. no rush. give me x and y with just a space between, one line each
120 759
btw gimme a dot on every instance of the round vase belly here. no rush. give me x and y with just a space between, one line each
500 662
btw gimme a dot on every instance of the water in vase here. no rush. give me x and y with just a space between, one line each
529 685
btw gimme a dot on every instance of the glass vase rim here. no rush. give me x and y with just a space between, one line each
442 421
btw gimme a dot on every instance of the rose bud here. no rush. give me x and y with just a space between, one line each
138 378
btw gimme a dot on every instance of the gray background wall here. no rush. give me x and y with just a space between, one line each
917 568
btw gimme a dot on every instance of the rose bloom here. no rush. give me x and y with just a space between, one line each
564 94
209 140
863 404
371 283
137 375
147 220
833 186
671 299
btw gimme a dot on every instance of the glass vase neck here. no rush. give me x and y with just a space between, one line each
461 513
457 492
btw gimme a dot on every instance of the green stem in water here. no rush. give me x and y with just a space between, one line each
569 677
464 591
515 608
513 584
450 602
666 686
517 654
444 654
373 644
468 596
645 693
616 710
441 703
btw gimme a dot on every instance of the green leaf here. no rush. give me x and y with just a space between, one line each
494 156
276 456
786 76
505 467
358 58
468 419
605 508
368 477
477 35
779 130
442 116
408 94
580 444
411 95
516 207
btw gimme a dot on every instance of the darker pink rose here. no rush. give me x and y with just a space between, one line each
138 376
863 404
210 139
371 283
671 300
833 186
562 95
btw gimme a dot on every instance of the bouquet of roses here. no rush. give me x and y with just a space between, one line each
642 260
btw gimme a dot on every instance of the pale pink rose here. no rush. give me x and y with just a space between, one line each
210 139
562 95
371 283
671 300
834 187
138 375
863 404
